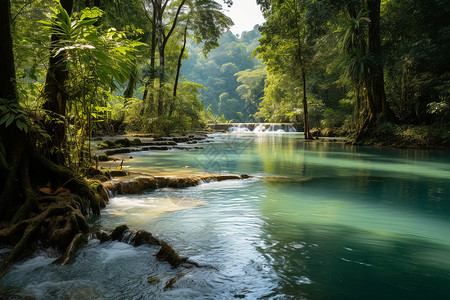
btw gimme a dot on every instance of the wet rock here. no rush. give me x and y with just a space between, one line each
159 148
145 238
78 242
101 191
180 139
173 280
160 143
117 151
136 185
227 177
177 182
102 236
153 279
166 253
117 173
118 232
103 157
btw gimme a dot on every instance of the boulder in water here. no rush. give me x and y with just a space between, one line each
118 232
144 237
166 253
78 242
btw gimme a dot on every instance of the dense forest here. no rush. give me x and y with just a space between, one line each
232 77
372 68
369 69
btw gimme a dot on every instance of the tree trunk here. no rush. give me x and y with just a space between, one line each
7 69
148 97
376 78
305 108
56 97
163 38
13 151
180 58
26 221
129 91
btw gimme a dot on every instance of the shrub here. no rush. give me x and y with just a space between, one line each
122 143
136 142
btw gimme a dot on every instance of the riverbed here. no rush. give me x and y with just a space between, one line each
319 220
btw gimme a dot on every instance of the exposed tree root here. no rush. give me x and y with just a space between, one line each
47 206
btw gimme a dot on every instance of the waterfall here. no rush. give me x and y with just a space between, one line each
261 127
239 128
275 128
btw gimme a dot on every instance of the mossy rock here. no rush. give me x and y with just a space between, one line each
145 238
136 142
122 142
106 144
103 157
166 253
117 173
117 233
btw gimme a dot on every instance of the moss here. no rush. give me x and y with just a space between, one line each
145 238
103 157
106 144
166 253
118 232
136 142
117 173
78 242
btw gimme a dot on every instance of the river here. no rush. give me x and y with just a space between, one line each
319 220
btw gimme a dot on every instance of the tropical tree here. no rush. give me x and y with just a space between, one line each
286 45
28 214
174 21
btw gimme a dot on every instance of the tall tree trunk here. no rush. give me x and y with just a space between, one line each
180 59
148 97
7 95
56 96
129 91
7 69
305 107
177 76
376 77
12 140
163 38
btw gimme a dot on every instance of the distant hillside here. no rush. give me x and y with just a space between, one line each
220 71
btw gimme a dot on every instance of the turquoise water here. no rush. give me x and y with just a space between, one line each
318 221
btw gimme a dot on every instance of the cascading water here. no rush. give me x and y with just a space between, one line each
259 128
262 127
239 128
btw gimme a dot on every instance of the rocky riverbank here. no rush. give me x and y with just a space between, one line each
135 183
105 147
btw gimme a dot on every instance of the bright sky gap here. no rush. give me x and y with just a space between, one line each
245 15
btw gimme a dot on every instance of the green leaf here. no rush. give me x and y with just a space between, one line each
4 118
10 120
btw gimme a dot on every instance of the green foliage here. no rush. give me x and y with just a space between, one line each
219 73
136 142
417 39
97 61
12 113
122 142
